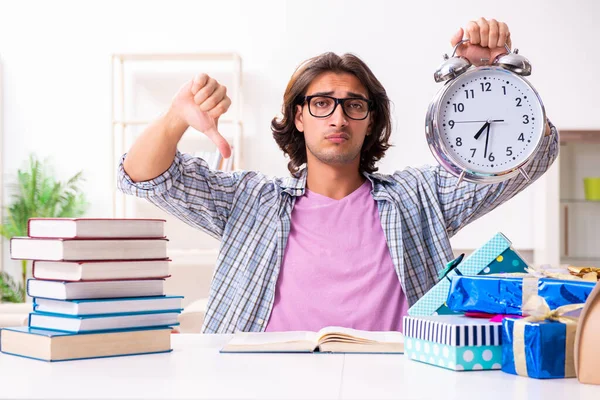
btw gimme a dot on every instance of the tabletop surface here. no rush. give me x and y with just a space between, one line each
196 370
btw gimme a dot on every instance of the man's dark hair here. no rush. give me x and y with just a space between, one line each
291 141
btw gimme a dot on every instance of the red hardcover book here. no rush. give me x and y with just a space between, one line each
98 270
95 289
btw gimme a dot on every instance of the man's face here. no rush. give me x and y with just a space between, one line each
336 139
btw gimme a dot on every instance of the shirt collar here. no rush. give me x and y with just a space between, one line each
296 185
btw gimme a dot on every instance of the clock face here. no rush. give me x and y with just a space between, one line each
490 120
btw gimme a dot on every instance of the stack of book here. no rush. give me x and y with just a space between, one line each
97 289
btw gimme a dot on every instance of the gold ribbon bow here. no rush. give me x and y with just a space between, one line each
562 274
537 310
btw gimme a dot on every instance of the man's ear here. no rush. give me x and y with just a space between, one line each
298 119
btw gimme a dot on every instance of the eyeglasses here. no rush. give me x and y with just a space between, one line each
355 108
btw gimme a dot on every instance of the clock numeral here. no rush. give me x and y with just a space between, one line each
491 157
451 123
504 89
525 119
521 138
472 92
518 100
473 150
509 151
460 107
459 141
486 86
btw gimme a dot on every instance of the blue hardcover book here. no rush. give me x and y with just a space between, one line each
47 345
125 305
103 322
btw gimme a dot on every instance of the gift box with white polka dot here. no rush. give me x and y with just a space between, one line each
495 256
454 342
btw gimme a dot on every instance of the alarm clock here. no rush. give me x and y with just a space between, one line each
486 123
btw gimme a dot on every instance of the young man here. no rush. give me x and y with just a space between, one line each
336 243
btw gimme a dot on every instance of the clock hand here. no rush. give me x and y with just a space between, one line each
468 122
487 136
481 130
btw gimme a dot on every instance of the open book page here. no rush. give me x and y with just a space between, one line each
337 333
345 340
272 341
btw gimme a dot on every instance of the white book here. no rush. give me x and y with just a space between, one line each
95 228
25 248
60 346
100 270
94 289
93 323
107 306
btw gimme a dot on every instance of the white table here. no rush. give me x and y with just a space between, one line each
196 369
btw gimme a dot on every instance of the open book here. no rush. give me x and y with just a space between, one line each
331 339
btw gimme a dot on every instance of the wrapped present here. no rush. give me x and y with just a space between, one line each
541 345
454 342
506 295
496 256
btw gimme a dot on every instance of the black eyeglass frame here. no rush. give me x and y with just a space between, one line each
307 99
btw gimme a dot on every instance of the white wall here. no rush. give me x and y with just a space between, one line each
56 58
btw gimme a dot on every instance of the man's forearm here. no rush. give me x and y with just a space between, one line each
153 152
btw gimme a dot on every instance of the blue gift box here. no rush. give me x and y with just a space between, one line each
506 295
540 350
495 256
454 342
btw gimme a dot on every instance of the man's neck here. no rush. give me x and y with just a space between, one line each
335 182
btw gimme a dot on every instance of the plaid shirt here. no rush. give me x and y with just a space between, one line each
419 208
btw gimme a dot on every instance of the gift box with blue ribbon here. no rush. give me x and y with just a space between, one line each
506 295
541 345
495 256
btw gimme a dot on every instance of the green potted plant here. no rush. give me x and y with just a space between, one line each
10 291
37 193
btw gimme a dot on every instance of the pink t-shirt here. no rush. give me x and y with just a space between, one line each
337 269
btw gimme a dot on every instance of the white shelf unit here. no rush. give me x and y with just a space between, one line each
579 218
142 88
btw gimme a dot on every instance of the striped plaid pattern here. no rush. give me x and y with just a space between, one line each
420 209
454 330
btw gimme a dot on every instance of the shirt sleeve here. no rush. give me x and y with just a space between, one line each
189 190
469 201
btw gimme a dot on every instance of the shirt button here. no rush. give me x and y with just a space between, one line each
261 321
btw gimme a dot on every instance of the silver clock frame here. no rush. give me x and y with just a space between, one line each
445 157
